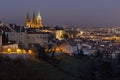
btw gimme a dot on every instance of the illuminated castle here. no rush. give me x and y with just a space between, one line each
35 22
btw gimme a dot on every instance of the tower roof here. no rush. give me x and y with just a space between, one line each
33 18
27 16
39 16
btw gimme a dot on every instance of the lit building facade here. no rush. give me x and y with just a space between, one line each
35 22
30 37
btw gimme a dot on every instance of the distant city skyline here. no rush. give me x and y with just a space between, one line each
62 12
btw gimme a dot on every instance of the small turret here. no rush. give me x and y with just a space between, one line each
27 17
27 20
33 18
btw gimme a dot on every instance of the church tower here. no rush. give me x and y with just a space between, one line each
35 22
39 21
28 23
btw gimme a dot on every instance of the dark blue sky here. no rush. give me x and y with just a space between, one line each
63 12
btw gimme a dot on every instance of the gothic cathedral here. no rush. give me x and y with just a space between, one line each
35 22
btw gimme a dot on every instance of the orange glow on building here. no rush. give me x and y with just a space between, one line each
30 51
19 51
9 50
35 22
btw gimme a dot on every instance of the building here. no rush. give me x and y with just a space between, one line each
0 42
38 37
26 38
13 52
19 37
35 22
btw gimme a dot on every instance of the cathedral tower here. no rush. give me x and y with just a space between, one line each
28 20
39 21
35 22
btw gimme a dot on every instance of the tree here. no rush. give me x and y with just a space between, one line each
53 54
7 40
80 53
118 58
88 71
99 54
105 71
4 38
41 53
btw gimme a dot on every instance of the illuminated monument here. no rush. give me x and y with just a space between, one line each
35 22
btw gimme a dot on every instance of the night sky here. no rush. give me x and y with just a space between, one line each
62 12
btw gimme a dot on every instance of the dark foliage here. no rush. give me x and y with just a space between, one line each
105 71
4 38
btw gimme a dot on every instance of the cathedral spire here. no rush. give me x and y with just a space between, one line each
35 22
33 18
27 17
39 16
27 20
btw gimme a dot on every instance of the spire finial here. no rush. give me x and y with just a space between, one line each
39 12
39 16
27 16
33 18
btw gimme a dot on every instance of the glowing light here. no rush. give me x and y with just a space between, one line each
24 51
81 32
30 51
9 50
39 15
19 51
57 49
59 33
